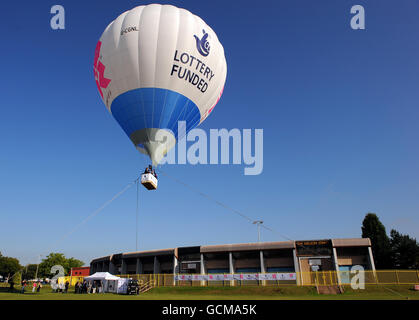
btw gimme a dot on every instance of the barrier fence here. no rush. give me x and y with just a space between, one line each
321 278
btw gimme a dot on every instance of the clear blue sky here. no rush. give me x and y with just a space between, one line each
339 109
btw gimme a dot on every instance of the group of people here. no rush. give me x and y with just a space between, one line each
61 287
80 287
150 169
88 287
36 286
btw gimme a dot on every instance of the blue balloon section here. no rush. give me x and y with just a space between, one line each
154 108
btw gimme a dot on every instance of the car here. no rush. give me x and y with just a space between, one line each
133 287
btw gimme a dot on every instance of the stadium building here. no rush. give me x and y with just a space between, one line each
262 257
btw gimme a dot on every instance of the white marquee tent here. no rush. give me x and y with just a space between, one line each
110 282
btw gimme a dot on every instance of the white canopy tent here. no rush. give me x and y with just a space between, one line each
110 282
101 276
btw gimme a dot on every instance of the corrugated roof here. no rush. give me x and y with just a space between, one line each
105 258
354 242
248 246
148 253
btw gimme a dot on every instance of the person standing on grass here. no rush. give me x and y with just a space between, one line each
89 288
33 287
66 286
38 288
23 286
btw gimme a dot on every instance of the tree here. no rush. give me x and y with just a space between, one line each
404 251
9 266
29 272
51 260
372 228
57 259
73 263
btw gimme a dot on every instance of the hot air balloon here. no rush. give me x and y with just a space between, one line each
154 66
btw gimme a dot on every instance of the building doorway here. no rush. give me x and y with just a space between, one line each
314 270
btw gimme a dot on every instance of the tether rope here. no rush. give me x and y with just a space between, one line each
222 204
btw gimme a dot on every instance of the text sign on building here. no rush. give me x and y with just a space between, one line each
191 266
314 248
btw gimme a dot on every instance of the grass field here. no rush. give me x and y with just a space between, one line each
224 293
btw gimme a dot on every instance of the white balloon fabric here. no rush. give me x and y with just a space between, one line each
156 65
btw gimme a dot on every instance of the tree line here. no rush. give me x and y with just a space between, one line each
397 251
11 267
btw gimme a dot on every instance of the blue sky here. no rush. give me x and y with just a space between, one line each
339 110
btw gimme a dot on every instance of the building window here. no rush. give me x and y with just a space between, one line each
242 270
280 269
219 270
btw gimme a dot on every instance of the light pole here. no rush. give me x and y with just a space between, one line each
258 223
36 273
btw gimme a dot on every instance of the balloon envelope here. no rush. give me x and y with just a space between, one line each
156 65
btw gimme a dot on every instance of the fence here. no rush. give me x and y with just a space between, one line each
369 277
322 278
381 277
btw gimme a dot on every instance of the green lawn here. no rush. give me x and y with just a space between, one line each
223 293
